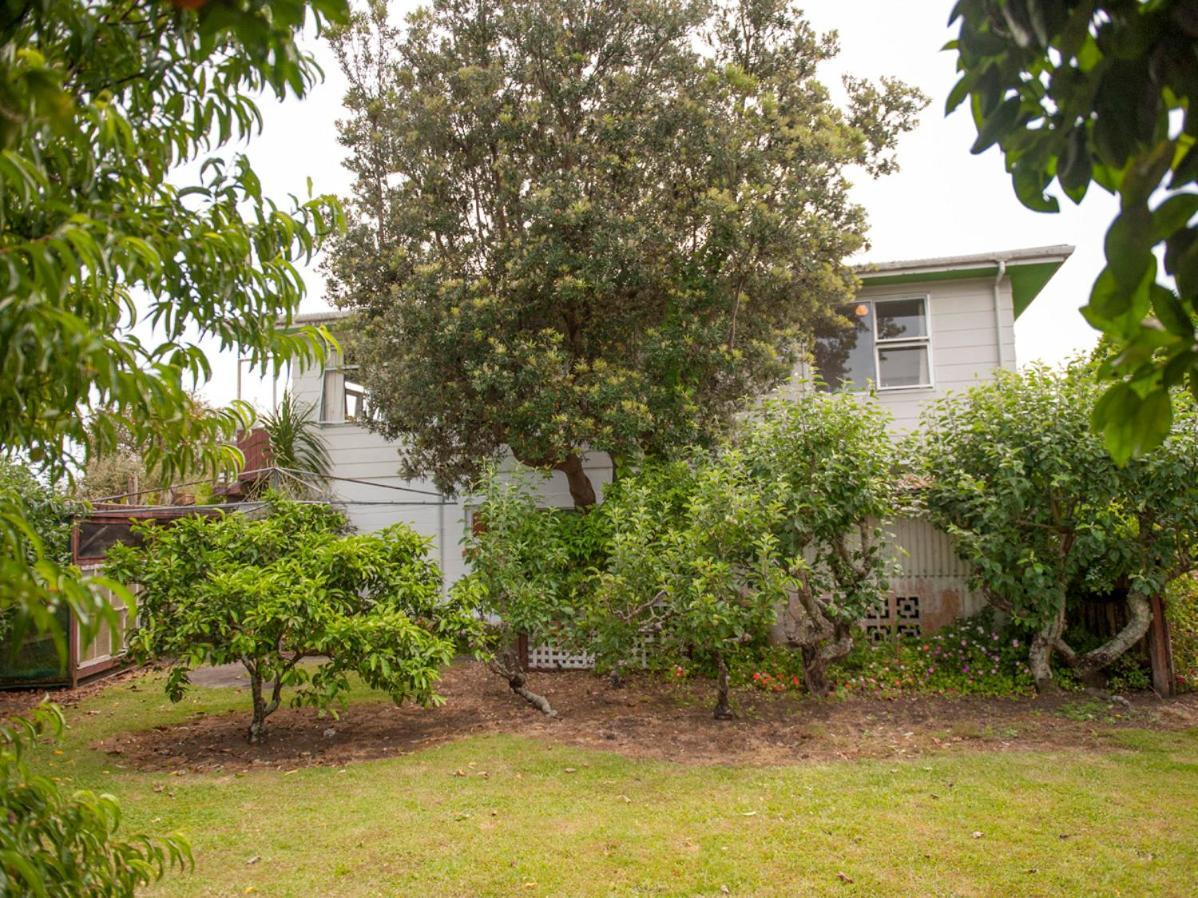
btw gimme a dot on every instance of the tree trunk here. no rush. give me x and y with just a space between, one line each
257 731
1040 655
722 710
1139 619
581 490
262 708
815 670
616 678
507 666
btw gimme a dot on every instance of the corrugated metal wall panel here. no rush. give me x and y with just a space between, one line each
932 584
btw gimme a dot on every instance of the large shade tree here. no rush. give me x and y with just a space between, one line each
589 225
1102 92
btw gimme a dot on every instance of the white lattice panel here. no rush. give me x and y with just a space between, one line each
549 657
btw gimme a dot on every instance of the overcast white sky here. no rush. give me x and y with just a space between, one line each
943 202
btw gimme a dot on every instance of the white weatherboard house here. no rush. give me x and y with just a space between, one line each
918 330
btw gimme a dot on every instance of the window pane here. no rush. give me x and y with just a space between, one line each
844 357
903 366
901 318
355 400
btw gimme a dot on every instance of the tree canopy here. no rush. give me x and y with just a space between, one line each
55 844
1103 92
271 592
587 225
776 536
118 208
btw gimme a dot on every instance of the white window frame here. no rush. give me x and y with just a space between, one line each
902 342
325 404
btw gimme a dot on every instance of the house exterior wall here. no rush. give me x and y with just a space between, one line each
965 340
932 586
358 454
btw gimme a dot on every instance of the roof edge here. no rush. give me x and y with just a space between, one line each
1039 263
974 261
1029 270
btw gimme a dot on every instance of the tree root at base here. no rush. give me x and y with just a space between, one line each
537 701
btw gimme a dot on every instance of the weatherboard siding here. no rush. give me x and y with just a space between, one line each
359 454
964 341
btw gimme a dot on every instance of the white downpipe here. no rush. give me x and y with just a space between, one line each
1002 272
441 546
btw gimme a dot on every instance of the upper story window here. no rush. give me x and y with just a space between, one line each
343 397
887 343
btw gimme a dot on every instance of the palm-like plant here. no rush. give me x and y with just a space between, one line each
296 444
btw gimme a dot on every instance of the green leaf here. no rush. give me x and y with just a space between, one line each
1128 248
1132 424
1172 215
1115 308
959 92
1030 183
1171 313
997 125
1074 170
1127 105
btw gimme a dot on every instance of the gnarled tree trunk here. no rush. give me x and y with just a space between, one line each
507 665
1039 658
1139 620
808 626
817 658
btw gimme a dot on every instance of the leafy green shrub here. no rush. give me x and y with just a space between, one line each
531 568
1129 673
273 591
57 845
776 531
974 656
35 541
49 511
1181 609
1015 473
773 668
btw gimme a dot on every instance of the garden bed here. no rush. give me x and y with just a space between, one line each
650 718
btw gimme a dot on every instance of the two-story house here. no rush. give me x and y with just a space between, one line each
917 331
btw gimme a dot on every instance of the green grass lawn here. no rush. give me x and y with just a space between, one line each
550 820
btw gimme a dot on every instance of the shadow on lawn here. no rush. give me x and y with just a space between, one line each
649 719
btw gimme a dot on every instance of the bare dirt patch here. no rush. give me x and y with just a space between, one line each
20 701
651 719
